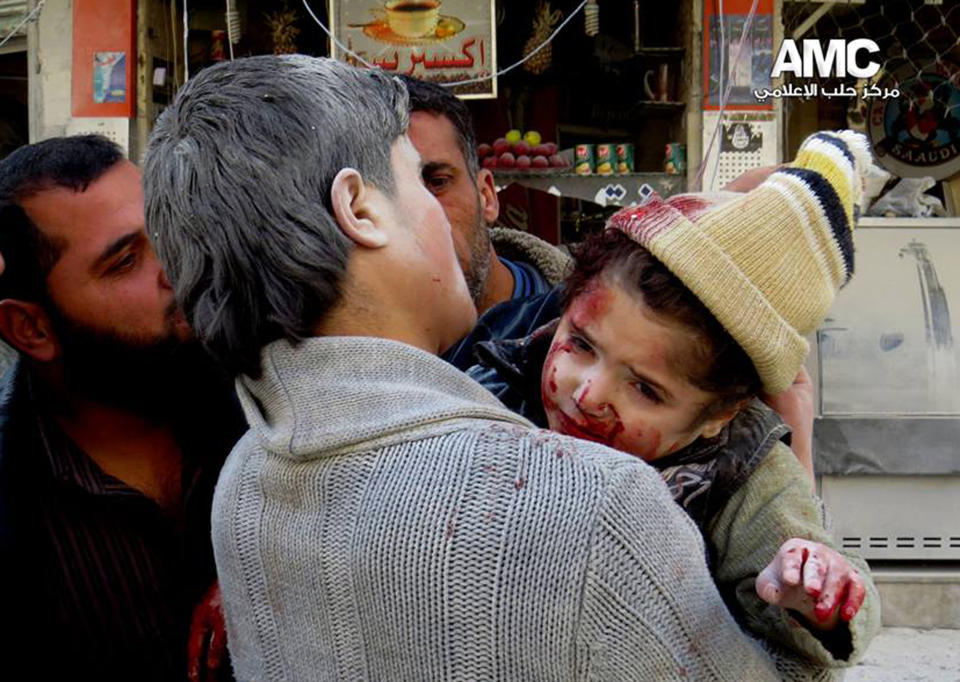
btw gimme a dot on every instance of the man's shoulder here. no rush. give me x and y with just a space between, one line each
12 387
20 451
560 461
550 261
564 462
511 319
14 410
520 317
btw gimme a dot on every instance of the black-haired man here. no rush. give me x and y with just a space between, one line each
499 264
106 466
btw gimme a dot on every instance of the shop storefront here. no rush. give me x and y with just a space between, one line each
632 80
886 360
642 96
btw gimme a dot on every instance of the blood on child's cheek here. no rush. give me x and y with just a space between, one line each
548 380
586 308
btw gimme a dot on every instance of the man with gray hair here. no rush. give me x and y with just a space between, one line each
385 517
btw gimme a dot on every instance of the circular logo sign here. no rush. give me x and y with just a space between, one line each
918 133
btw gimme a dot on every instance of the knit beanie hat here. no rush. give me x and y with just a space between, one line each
766 263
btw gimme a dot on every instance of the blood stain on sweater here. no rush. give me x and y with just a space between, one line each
452 524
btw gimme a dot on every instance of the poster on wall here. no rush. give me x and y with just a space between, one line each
109 77
103 81
736 142
727 64
890 343
918 133
443 42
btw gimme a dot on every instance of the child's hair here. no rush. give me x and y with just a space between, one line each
718 365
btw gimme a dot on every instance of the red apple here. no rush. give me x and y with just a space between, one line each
523 162
500 145
484 150
551 148
540 150
489 162
557 161
507 160
540 161
521 148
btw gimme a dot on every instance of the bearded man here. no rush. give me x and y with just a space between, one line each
113 426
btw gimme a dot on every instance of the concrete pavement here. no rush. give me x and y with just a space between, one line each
910 655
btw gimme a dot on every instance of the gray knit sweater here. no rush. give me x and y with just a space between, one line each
386 518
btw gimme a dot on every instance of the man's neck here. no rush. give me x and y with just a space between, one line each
361 316
499 286
139 451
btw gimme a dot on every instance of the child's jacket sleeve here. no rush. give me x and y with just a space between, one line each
774 505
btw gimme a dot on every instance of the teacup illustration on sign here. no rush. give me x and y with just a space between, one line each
410 22
413 18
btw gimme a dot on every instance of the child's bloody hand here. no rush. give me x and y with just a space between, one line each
208 634
813 579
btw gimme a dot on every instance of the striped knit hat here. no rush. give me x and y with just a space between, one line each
766 263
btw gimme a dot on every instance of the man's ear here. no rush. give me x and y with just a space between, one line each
489 204
356 209
26 326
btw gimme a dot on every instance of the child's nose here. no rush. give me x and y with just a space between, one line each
590 396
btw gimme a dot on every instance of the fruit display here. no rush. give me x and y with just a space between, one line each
522 152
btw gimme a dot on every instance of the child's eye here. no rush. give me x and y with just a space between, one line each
580 344
648 392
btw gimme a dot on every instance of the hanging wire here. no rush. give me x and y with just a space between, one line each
722 51
336 42
31 15
724 94
455 83
175 69
186 46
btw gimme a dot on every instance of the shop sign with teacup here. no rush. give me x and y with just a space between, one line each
413 18
436 40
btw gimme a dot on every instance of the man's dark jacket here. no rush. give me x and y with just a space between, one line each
76 604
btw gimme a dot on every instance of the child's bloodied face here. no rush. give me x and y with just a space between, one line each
615 375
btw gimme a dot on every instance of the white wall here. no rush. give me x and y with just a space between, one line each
49 62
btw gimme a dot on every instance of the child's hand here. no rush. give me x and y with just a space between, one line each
813 579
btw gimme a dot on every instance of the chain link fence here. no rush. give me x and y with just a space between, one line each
917 133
